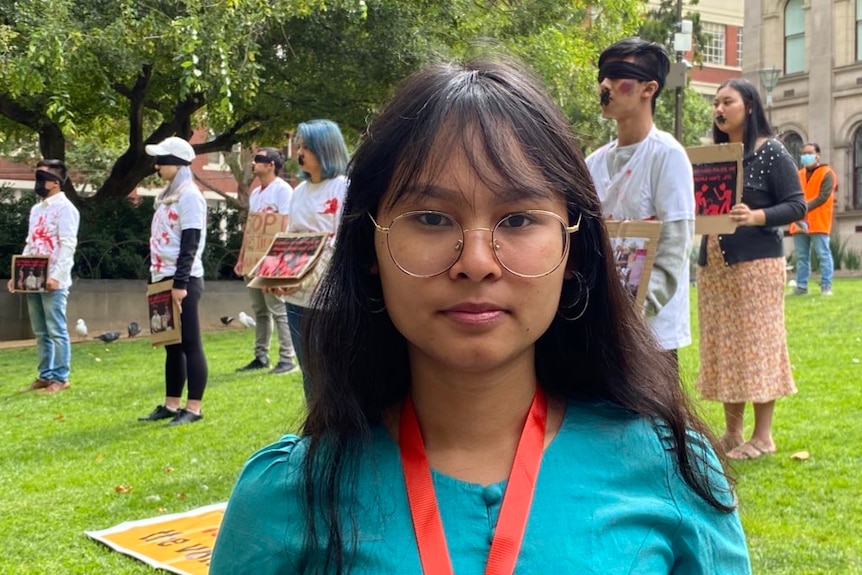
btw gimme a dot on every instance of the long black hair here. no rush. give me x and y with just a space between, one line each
358 360
756 124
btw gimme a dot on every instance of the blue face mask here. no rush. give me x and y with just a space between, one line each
808 160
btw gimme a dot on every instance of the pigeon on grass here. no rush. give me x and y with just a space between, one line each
108 336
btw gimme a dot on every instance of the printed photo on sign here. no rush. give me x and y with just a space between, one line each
289 258
164 317
633 244
630 255
30 273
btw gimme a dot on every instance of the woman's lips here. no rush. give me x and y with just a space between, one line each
475 313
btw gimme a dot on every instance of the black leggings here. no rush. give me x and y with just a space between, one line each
186 359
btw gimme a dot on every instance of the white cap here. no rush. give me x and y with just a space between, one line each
172 146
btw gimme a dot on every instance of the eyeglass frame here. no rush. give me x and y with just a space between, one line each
568 231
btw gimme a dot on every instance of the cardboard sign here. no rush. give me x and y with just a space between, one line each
717 186
289 258
165 321
634 244
29 274
181 543
260 228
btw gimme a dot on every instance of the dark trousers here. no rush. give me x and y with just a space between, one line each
295 318
186 360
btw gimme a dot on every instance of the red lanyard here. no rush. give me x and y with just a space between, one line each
516 503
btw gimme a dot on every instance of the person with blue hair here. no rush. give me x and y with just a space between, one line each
177 239
316 207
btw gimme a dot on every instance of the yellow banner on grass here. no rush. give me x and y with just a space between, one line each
181 543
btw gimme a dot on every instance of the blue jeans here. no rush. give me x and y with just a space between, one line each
48 320
295 317
803 244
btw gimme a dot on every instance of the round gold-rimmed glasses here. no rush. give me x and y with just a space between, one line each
528 244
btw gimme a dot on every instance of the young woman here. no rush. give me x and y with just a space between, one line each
177 241
487 399
743 345
315 207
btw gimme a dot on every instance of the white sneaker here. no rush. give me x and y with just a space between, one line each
826 291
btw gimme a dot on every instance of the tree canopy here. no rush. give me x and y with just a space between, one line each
98 79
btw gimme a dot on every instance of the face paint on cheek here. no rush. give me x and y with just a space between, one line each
626 86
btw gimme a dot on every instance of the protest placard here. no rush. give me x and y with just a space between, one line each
717 186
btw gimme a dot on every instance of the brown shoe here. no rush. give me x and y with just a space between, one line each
54 386
38 384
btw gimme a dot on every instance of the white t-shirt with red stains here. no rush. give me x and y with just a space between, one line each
54 232
316 208
271 199
185 211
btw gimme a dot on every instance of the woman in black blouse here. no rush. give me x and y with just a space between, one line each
743 345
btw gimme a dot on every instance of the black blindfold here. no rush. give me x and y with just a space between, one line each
171 161
618 70
43 176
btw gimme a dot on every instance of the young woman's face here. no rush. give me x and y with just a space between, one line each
308 161
476 316
729 112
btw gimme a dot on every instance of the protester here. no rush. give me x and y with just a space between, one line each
474 326
272 196
743 345
819 183
177 243
52 232
316 207
645 174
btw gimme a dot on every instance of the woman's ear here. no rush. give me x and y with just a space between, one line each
570 274
374 269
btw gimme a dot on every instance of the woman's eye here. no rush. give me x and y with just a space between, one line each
434 219
517 221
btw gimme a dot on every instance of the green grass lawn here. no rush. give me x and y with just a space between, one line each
65 460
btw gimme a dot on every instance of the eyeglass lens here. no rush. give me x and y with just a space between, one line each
528 244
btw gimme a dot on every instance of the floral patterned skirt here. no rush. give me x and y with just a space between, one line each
743 344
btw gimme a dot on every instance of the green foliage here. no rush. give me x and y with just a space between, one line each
113 239
97 78
14 221
224 239
852 260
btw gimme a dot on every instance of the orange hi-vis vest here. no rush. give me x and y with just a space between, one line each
820 218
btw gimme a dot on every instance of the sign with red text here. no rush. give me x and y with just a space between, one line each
717 186
289 258
260 228
181 543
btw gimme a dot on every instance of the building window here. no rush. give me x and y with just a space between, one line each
859 29
794 37
713 52
793 143
857 169
739 44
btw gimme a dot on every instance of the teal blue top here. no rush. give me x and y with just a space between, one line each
609 500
